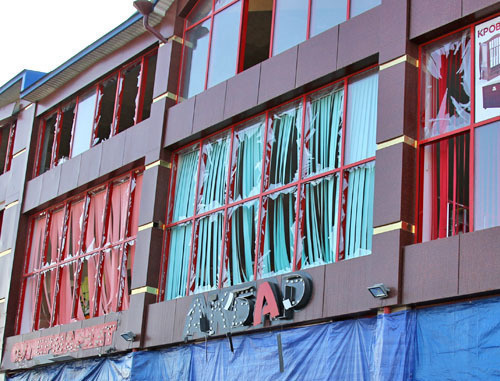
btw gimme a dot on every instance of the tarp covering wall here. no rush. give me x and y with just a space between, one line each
455 342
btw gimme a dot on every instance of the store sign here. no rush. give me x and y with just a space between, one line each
66 342
241 307
487 69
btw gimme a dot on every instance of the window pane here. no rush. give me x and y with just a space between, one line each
247 160
326 14
487 177
240 251
128 96
319 223
290 24
47 291
105 109
220 3
86 295
323 136
149 85
446 84
283 141
95 214
205 264
37 239
357 216
202 9
54 237
360 6
186 171
224 48
84 123
4 143
66 292
66 129
279 234
257 36
195 60
118 211
361 117
445 210
47 143
109 282
179 249
213 174
28 304
75 225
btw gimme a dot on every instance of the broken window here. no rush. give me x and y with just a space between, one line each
7 135
289 189
113 105
80 256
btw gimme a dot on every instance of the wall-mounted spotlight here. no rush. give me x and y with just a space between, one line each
379 291
145 8
128 336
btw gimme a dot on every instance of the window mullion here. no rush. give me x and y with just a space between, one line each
271 43
43 255
73 127
141 83
118 103
209 48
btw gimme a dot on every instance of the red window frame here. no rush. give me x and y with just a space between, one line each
266 157
10 146
242 34
62 260
58 111
469 129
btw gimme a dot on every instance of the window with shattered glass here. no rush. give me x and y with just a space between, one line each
80 256
286 190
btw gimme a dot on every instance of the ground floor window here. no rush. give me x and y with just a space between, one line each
286 190
80 256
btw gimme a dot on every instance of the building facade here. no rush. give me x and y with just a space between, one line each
216 205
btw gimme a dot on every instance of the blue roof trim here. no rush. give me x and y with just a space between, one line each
120 28
26 76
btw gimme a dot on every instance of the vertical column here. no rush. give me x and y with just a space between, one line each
395 173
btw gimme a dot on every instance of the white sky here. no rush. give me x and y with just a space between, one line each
42 34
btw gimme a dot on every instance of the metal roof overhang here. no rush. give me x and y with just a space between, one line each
104 46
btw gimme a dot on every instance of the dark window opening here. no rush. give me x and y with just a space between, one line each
149 87
4 147
129 91
68 115
47 142
106 108
257 37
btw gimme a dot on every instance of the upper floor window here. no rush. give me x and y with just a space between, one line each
460 132
113 105
80 256
7 135
224 37
289 189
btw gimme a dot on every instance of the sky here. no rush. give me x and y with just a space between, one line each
42 34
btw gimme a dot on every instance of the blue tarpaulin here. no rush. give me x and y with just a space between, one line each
455 342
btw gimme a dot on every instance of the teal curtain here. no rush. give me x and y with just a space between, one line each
209 243
320 222
214 174
247 160
323 142
284 137
185 185
243 224
361 122
279 233
179 249
359 210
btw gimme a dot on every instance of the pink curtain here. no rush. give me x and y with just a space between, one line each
36 243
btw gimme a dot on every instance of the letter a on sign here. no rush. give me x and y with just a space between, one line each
266 303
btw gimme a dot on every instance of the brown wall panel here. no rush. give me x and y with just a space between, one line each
317 57
50 184
479 261
480 6
69 175
427 15
160 323
16 177
90 164
242 92
112 154
23 128
397 102
277 75
209 107
147 261
179 122
155 183
431 270
359 37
